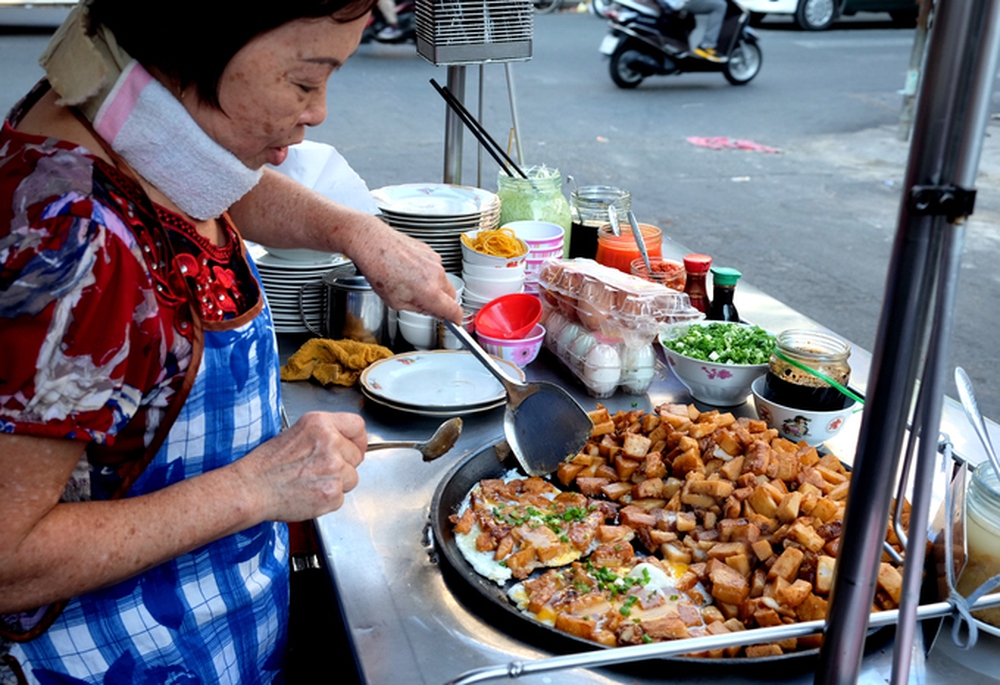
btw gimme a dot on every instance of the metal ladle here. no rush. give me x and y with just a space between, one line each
975 416
437 445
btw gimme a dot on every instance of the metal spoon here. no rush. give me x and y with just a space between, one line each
640 241
975 416
437 445
613 218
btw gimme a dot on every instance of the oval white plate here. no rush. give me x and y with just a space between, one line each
434 199
436 380
437 413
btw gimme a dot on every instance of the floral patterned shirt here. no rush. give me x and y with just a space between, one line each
95 330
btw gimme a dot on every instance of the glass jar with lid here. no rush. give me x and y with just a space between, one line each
589 206
789 384
536 198
982 533
619 251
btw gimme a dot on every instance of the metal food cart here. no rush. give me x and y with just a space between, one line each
408 624
410 621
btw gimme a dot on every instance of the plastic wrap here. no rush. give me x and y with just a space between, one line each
602 323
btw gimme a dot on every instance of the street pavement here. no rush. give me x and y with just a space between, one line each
812 224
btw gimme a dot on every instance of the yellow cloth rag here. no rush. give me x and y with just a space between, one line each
338 362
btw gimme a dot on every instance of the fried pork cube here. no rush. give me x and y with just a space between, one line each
613 554
728 584
667 627
523 562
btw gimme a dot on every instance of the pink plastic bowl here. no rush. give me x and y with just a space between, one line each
509 317
539 235
521 352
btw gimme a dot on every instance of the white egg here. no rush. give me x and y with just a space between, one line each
483 562
554 323
602 369
579 348
638 368
567 336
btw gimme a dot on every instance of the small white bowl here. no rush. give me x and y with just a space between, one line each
417 329
501 273
472 300
473 257
814 427
458 284
489 289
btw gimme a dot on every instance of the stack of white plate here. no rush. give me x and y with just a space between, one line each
436 383
438 214
287 281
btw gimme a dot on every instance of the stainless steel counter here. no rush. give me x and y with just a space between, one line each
406 623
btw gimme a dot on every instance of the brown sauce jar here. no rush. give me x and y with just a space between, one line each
791 386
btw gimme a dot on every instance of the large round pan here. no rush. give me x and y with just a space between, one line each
490 600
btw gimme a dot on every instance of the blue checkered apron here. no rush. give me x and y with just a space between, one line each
218 614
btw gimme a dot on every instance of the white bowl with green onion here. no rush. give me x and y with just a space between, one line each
717 361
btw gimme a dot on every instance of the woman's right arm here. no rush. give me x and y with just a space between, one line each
51 550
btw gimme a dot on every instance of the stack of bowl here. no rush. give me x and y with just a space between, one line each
488 277
544 240
421 330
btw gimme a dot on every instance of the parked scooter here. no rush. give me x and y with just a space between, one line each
599 7
645 39
406 21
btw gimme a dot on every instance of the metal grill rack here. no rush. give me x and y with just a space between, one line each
451 32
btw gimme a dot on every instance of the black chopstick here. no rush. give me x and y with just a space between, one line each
477 130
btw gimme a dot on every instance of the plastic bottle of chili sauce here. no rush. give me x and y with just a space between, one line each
697 266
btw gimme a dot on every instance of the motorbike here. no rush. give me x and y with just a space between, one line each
599 7
406 14
645 39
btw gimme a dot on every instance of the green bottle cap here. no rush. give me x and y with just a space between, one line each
724 275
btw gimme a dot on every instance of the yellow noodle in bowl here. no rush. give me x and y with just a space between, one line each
500 242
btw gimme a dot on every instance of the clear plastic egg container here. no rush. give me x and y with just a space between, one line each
611 303
601 364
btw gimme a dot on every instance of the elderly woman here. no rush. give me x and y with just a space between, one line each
145 482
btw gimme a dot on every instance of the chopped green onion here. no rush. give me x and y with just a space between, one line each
724 343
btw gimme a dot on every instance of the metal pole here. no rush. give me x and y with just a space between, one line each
944 154
453 128
482 120
913 73
928 420
512 96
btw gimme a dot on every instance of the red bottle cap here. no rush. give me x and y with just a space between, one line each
697 263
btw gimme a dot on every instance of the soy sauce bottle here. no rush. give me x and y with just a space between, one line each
696 267
724 287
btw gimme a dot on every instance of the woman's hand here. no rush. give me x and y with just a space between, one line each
406 273
306 470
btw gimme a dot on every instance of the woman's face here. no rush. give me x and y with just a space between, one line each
274 87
